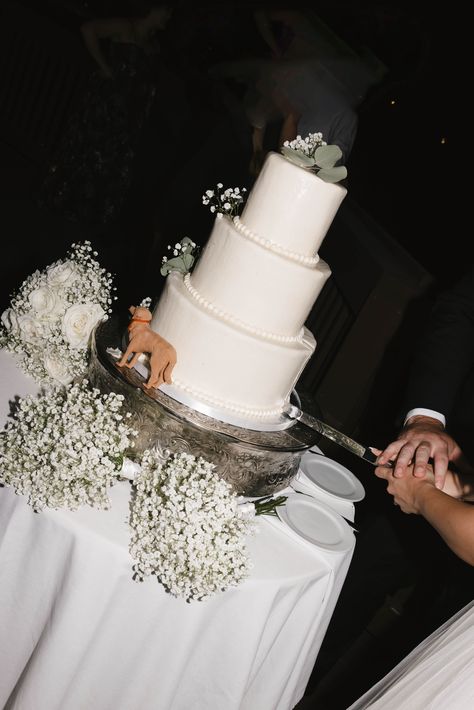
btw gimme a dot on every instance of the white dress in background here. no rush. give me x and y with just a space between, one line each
437 675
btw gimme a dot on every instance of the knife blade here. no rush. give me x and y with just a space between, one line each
363 452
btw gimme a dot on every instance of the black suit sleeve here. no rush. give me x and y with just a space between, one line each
444 356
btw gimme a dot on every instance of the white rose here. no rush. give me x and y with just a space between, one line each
10 320
79 321
62 274
31 330
57 370
45 302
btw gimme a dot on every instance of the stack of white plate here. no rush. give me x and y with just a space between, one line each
328 481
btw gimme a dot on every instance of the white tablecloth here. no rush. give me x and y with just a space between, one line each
77 633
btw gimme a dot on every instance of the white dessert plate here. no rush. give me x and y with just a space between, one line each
316 522
331 477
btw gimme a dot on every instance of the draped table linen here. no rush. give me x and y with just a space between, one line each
77 632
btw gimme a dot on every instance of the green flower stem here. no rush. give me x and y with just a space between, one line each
268 505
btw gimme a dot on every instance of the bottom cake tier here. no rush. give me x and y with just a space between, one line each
223 364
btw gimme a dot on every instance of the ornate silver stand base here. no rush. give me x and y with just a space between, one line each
255 463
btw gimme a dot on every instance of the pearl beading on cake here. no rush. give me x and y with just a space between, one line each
265 335
245 412
309 261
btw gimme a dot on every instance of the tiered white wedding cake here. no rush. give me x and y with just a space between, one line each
237 321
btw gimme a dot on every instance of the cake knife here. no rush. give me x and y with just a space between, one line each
363 452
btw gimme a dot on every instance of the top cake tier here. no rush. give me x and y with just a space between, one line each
291 206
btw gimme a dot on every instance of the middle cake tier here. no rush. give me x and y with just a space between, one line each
255 285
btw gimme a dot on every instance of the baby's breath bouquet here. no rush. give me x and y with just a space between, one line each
225 202
314 154
65 448
53 313
187 526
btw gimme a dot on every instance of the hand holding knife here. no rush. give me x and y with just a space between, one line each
363 452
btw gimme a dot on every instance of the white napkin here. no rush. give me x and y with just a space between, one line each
130 469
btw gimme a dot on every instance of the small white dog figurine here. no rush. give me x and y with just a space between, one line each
142 339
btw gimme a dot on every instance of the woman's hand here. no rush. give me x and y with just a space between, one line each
406 490
446 510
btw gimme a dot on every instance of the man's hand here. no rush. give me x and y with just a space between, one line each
422 438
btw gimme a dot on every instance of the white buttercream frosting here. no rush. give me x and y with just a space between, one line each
235 321
254 286
274 247
245 412
291 207
223 364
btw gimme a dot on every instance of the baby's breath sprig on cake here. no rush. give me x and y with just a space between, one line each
53 313
184 252
225 202
187 526
314 154
145 302
66 447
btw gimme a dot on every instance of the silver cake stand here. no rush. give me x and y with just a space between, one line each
255 463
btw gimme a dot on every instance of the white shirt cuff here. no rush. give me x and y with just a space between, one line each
420 411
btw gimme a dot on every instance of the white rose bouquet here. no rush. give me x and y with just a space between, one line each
188 528
52 315
65 448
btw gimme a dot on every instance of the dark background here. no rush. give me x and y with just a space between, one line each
402 168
